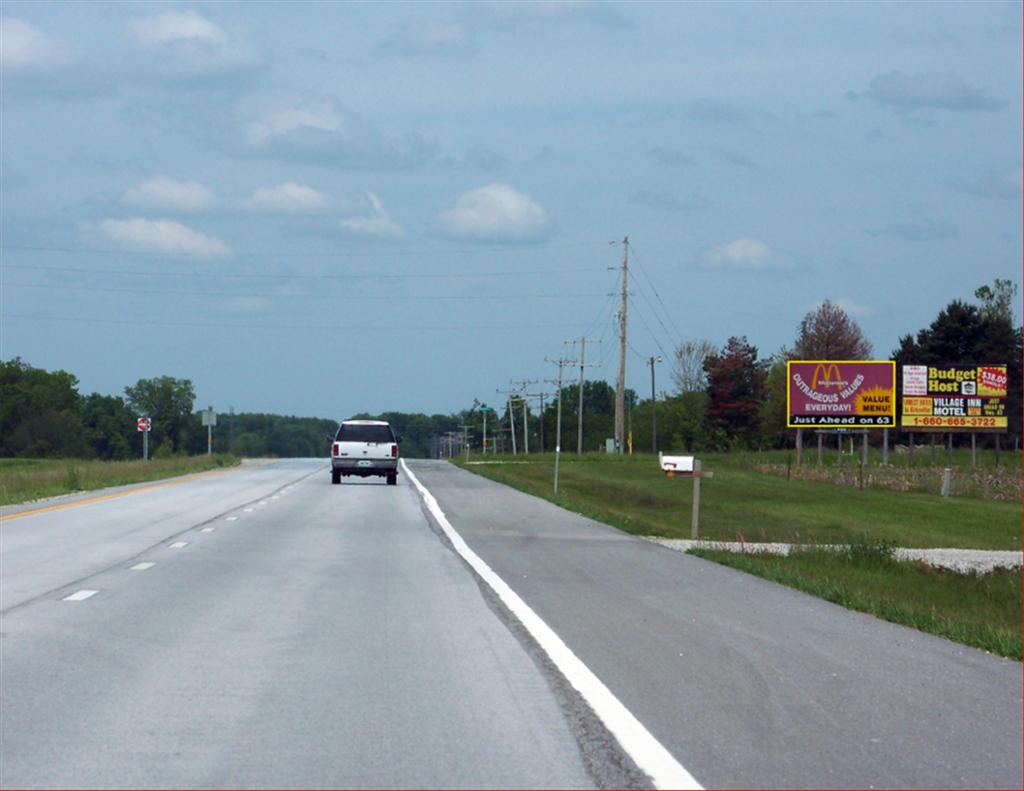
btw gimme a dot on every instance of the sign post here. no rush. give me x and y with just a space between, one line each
144 424
209 420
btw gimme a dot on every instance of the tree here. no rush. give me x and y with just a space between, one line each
736 383
168 402
688 365
997 300
109 426
39 412
773 411
965 334
827 333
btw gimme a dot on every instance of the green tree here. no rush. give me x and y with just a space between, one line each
736 386
168 402
39 412
109 426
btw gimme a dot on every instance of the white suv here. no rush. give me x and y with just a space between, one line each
365 448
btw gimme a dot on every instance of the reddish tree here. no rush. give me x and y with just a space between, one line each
736 389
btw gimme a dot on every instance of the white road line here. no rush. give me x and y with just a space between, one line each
146 564
263 502
81 595
178 545
276 497
231 519
648 753
207 529
248 510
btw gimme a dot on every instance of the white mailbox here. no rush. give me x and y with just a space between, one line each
676 465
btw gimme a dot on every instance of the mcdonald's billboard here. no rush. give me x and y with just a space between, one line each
843 393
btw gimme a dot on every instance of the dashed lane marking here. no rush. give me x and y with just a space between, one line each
178 545
207 529
146 564
81 595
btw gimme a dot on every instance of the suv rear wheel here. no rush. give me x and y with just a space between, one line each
392 478
335 476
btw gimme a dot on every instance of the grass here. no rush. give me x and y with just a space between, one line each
631 493
980 610
22 480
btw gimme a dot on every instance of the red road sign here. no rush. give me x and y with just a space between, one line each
144 423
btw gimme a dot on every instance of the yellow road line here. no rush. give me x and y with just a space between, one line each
115 495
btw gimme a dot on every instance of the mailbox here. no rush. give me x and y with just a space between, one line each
676 465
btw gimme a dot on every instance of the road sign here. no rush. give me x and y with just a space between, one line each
144 424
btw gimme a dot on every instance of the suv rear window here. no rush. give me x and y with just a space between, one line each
350 433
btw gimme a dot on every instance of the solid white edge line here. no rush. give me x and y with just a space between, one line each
646 751
81 595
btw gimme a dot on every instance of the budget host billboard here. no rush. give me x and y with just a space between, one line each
954 398
842 393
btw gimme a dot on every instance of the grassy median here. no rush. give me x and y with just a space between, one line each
980 610
23 480
744 503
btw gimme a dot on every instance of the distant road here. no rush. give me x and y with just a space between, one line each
263 628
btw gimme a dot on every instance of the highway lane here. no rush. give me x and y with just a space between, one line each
324 638
748 684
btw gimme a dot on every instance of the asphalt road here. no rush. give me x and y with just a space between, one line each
263 628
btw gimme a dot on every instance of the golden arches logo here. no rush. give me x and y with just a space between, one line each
829 374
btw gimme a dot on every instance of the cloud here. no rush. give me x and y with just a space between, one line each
287 198
162 236
917 230
930 91
319 130
996 184
852 308
736 158
426 38
496 213
189 48
664 200
505 15
671 158
376 222
23 47
712 111
745 254
168 194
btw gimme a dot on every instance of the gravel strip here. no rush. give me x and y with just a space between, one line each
959 560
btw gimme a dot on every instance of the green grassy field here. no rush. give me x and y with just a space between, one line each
22 480
981 610
741 501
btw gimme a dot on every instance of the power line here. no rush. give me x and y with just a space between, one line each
233 325
650 280
331 297
350 276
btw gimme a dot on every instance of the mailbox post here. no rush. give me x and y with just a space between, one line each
687 467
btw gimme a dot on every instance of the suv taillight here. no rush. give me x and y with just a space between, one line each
336 450
394 451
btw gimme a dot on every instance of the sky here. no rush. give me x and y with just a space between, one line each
322 209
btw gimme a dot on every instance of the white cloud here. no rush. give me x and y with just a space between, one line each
175 26
165 193
163 236
852 308
319 129
185 46
496 213
24 46
377 223
745 254
289 198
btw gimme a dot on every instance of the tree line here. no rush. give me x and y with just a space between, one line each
723 398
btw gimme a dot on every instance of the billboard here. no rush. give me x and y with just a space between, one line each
954 398
844 393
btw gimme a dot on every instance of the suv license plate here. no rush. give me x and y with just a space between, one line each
365 463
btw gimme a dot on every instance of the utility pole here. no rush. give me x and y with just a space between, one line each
540 420
511 416
561 362
654 407
526 423
620 383
465 439
579 425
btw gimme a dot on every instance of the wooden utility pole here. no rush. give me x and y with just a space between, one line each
579 423
654 406
620 383
561 363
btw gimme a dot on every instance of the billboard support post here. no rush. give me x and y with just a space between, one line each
799 446
911 448
974 450
821 449
885 447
